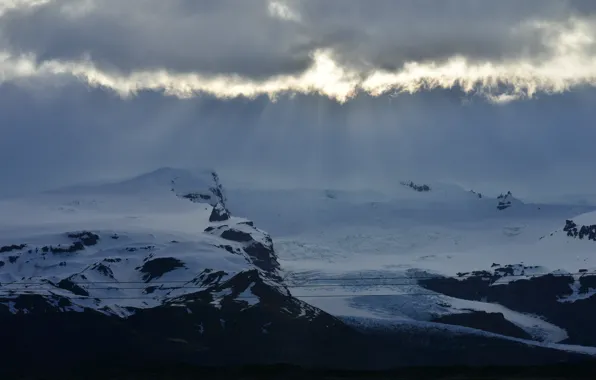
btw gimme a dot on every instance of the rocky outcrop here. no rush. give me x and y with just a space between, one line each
87 238
12 247
219 213
256 244
479 195
420 188
80 241
155 268
213 194
68 284
504 201
557 298
580 232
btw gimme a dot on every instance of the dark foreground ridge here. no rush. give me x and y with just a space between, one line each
96 370
59 342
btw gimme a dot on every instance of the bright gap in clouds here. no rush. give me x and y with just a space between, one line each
6 5
570 62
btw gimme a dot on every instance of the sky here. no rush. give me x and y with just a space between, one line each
492 95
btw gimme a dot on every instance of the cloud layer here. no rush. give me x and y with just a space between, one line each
539 146
82 87
502 50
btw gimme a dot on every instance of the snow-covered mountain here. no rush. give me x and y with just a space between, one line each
166 266
134 244
442 254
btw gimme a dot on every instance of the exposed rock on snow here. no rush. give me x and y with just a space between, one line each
573 230
505 201
541 295
219 213
156 267
420 188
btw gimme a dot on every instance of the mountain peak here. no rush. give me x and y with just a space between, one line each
198 186
506 200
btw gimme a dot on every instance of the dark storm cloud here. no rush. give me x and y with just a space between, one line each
56 131
387 33
214 37
230 36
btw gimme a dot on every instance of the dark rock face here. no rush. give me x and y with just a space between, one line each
236 235
209 277
67 284
104 269
197 197
134 249
12 247
228 248
82 239
74 247
156 268
219 213
32 304
263 255
260 252
85 237
563 300
481 320
504 201
546 296
218 190
573 230
479 195
419 188
587 284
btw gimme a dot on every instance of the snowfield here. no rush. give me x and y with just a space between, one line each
134 244
360 254
163 237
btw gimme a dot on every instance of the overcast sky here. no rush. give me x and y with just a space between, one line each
319 93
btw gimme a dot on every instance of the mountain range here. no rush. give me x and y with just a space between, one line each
173 267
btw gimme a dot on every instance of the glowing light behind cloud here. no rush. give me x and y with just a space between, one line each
282 11
6 5
570 62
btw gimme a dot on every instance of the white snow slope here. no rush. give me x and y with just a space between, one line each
141 224
358 254
352 254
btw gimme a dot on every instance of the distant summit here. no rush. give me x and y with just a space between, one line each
505 201
420 188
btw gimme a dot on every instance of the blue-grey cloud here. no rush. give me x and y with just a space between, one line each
256 85
531 147
337 48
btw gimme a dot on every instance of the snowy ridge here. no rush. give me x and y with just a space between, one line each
180 181
159 248
422 255
170 244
